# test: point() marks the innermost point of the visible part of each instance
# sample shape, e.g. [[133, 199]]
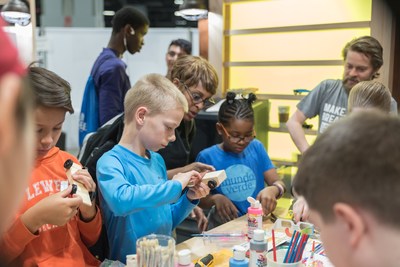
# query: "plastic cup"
[[155, 250], [280, 256], [283, 113]]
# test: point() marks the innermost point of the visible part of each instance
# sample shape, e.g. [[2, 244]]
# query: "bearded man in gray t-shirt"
[[363, 57]]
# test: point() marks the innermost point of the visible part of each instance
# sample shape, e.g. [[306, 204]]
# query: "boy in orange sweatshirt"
[[53, 227]]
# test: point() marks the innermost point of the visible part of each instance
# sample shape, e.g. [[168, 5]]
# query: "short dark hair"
[[50, 90], [234, 108], [185, 45], [128, 15], [370, 47], [355, 161]]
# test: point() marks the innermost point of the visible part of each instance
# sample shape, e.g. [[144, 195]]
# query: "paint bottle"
[[258, 249], [239, 257], [184, 258], [254, 216]]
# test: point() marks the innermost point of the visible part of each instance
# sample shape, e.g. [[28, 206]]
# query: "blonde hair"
[[192, 69], [369, 94], [155, 92]]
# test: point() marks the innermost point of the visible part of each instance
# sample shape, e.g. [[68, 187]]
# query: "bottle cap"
[[258, 235], [254, 203], [184, 257], [239, 253]]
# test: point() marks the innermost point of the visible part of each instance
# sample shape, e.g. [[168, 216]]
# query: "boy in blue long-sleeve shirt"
[[136, 196]]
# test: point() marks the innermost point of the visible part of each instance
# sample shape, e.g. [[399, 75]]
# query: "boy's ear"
[[140, 115], [10, 87], [176, 82], [352, 221], [219, 128]]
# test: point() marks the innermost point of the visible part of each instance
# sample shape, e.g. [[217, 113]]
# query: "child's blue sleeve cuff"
[[195, 201]]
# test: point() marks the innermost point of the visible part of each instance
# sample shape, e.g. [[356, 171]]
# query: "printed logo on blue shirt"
[[240, 182]]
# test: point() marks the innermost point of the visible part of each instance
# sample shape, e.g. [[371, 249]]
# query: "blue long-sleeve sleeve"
[[137, 199]]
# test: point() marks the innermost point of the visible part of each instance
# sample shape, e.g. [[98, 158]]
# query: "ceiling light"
[[193, 10], [16, 12], [109, 13]]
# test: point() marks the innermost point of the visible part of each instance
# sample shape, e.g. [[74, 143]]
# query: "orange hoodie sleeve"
[[90, 231], [15, 240]]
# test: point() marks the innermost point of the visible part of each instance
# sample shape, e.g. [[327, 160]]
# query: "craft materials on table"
[[223, 239], [254, 216], [155, 250]]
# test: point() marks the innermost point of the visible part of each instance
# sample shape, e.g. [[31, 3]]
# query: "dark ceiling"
[[160, 12]]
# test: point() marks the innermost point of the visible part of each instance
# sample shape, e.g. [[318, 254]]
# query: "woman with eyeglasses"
[[198, 81], [246, 162]]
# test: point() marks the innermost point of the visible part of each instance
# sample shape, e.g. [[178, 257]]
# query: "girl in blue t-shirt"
[[245, 161]]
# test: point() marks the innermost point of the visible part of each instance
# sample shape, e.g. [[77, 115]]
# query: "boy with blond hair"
[[136, 196], [350, 178]]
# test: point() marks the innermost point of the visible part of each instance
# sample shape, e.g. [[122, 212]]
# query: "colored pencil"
[[290, 245], [273, 244]]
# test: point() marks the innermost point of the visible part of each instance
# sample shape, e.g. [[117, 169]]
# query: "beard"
[[349, 82]]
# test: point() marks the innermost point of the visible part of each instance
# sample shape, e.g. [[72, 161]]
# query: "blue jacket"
[[137, 199], [112, 83]]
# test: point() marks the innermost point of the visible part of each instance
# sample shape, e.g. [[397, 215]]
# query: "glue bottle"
[[258, 249], [239, 257], [184, 258], [254, 216]]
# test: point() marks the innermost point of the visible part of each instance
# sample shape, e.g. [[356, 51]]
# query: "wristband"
[[280, 188]]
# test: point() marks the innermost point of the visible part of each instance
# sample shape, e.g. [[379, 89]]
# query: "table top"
[[199, 248]]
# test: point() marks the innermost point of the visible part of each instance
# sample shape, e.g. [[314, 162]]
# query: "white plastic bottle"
[[254, 216], [184, 258], [239, 257], [258, 249]]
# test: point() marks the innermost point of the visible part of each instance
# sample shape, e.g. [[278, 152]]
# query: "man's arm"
[[295, 127]]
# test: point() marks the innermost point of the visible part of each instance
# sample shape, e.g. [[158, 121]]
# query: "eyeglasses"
[[237, 139], [304, 227], [197, 97]]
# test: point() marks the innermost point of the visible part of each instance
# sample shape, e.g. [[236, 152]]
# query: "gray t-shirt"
[[329, 101]]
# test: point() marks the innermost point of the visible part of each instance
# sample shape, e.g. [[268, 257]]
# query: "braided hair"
[[233, 108]]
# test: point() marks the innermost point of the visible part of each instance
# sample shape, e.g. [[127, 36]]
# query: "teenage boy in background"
[[176, 48], [105, 99], [350, 180], [52, 227], [363, 57]]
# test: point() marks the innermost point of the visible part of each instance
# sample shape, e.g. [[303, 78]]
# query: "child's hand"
[[198, 191], [201, 167], [300, 210], [202, 221], [193, 177], [83, 176], [224, 208], [267, 198], [55, 209]]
